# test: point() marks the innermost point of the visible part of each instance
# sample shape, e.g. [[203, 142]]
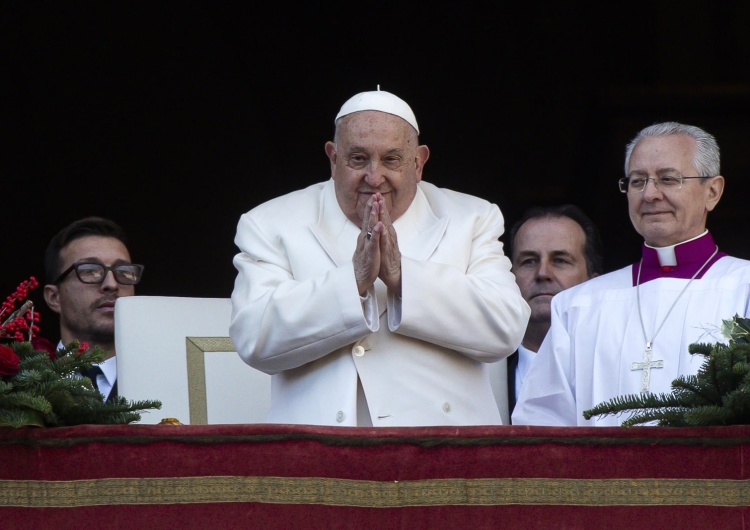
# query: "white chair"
[[177, 350]]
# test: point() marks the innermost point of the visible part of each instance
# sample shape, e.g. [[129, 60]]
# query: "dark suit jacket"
[[512, 364]]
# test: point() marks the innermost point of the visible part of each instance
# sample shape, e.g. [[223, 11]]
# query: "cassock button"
[[339, 416], [359, 351], [446, 407]]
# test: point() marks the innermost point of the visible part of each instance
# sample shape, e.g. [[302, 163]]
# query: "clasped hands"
[[377, 256]]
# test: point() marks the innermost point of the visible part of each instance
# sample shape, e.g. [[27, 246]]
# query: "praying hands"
[[377, 254]]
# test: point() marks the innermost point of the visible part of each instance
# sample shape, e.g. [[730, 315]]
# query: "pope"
[[375, 298]]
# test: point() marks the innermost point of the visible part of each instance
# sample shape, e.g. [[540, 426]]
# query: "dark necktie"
[[91, 373], [112, 393]]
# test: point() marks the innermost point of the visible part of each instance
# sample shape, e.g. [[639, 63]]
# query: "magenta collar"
[[690, 257]]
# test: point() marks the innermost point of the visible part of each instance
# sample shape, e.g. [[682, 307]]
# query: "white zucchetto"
[[382, 101]]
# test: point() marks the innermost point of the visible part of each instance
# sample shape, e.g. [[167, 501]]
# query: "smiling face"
[[375, 152], [665, 219], [548, 257], [87, 310]]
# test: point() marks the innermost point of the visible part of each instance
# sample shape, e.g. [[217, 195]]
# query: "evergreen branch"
[[695, 393], [16, 418], [700, 348], [664, 417], [707, 415], [52, 392], [719, 394], [25, 400], [628, 402]]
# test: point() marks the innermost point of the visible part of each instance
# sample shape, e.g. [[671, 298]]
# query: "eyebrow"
[[527, 254], [358, 148], [94, 259], [659, 171], [535, 254], [564, 253]]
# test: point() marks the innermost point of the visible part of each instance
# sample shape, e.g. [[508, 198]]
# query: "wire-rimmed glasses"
[[664, 182]]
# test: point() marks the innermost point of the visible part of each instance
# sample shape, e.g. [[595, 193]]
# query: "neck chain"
[[638, 297]]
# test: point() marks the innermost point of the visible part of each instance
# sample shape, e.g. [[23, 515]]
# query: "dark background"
[[173, 119]]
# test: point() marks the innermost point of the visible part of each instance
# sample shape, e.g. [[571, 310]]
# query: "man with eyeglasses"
[[627, 332], [88, 267]]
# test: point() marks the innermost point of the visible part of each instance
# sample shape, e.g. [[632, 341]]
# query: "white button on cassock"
[[359, 351], [339, 416], [446, 407]]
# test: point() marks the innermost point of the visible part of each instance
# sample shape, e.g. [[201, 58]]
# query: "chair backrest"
[[177, 350]]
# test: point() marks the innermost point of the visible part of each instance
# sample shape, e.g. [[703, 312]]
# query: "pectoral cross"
[[646, 366]]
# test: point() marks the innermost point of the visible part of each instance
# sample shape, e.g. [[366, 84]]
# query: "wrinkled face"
[[671, 217], [375, 152], [87, 310], [548, 257]]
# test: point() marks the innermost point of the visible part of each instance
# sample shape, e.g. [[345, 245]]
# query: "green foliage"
[[51, 392], [719, 394]]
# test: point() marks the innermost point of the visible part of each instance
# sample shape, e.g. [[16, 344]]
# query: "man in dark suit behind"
[[551, 248], [88, 268]]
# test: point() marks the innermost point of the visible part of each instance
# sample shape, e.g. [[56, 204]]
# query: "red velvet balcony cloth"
[[284, 476]]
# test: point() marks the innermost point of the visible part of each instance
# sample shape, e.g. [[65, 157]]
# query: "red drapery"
[[282, 476]]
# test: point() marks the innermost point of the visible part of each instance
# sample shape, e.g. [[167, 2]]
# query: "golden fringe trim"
[[373, 494]]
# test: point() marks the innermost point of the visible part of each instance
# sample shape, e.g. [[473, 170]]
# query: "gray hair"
[[706, 161]]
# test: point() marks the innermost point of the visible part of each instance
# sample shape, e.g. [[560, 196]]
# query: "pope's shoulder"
[[298, 203], [307, 201], [448, 201]]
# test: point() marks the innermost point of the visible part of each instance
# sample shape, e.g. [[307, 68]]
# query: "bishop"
[[677, 294]]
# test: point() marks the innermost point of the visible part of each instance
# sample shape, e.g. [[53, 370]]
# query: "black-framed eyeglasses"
[[90, 272], [664, 182]]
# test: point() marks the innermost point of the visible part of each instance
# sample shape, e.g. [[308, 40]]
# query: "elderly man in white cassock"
[[375, 298], [628, 331]]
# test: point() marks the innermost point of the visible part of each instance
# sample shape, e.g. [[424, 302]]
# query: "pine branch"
[[628, 402], [708, 415], [13, 418], [719, 394], [693, 392], [664, 417], [52, 392], [25, 400]]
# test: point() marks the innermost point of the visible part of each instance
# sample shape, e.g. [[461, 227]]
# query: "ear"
[[423, 153], [714, 192], [332, 156], [52, 297]]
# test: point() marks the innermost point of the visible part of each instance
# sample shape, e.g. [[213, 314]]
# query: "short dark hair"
[[88, 226], [592, 249]]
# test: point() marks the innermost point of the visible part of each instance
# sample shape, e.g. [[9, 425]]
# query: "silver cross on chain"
[[646, 366]]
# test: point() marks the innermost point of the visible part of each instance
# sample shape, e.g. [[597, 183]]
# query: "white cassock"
[[596, 336], [339, 359]]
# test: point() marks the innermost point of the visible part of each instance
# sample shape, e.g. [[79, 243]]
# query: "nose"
[[109, 283], [374, 174], [544, 270], [651, 192]]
